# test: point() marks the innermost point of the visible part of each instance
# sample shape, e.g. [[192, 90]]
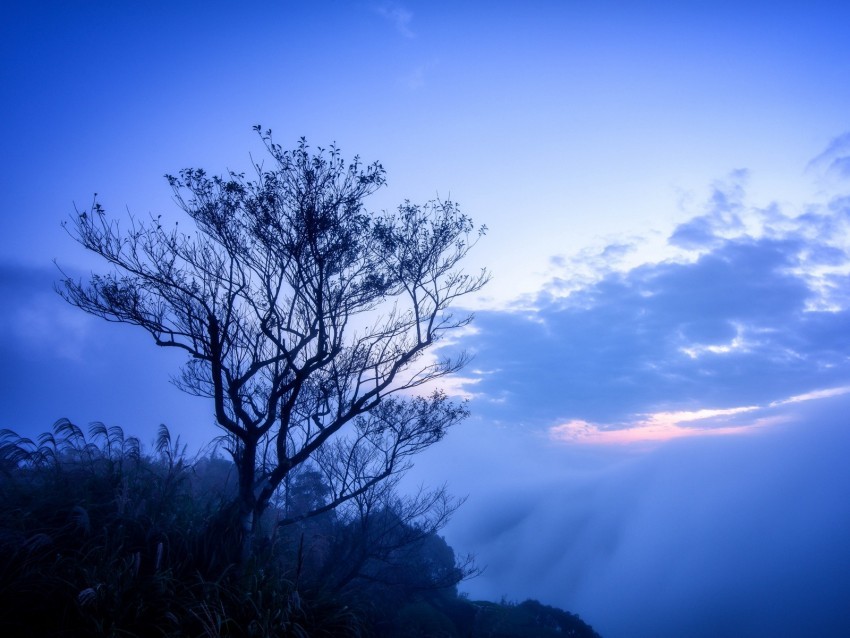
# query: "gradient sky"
[[661, 379]]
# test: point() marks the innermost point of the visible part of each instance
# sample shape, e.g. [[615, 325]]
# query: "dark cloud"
[[59, 362]]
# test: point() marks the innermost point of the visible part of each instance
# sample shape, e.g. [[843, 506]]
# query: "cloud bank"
[[751, 308]]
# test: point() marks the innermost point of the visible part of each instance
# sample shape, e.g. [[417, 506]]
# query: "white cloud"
[[458, 385], [736, 344], [835, 158], [754, 309], [398, 16], [813, 396]]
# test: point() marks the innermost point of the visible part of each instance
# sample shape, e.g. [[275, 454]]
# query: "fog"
[[725, 536]]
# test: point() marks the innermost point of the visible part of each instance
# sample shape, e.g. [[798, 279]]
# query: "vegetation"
[[304, 317], [100, 538], [306, 321]]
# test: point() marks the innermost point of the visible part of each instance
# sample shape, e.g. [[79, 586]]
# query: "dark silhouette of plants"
[[305, 318], [529, 619], [99, 539]]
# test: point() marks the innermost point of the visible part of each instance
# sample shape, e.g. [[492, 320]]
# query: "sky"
[[661, 373]]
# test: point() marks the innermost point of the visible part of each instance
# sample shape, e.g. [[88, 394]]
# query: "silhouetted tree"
[[303, 316], [391, 541]]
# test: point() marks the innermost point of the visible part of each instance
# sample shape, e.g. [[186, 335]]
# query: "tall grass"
[[98, 538]]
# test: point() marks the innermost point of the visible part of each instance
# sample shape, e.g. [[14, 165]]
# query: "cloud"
[[675, 430], [60, 362], [811, 396], [666, 426], [756, 310], [416, 79], [36, 321], [722, 216], [835, 158], [398, 16], [572, 273], [658, 427]]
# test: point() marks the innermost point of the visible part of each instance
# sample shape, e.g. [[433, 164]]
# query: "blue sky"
[[662, 359]]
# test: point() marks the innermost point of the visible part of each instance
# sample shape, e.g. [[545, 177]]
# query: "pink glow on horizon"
[[659, 427]]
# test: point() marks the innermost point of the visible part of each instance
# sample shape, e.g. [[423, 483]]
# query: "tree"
[[304, 317], [391, 541]]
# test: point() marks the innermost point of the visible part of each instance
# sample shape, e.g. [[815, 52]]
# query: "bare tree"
[[304, 317]]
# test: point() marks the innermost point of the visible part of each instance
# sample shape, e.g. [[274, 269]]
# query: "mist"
[[740, 535]]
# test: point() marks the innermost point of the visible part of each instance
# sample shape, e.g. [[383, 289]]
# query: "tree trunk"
[[246, 525], [246, 464]]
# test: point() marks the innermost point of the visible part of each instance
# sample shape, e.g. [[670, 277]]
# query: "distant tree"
[[304, 317]]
